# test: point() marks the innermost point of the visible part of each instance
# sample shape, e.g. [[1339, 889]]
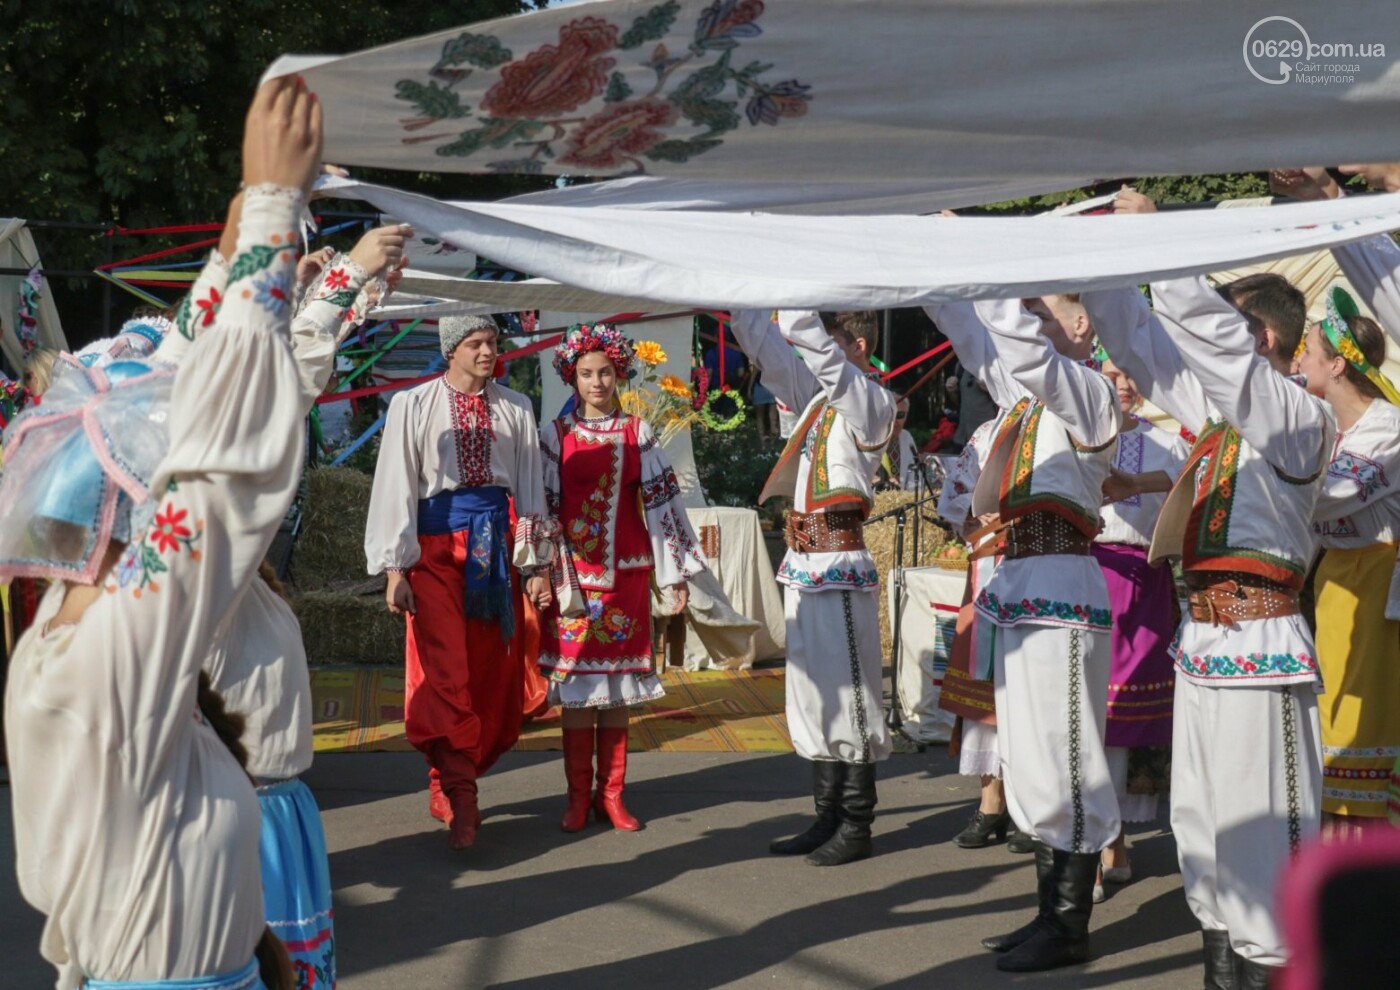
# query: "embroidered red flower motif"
[[208, 307], [337, 278], [554, 79], [623, 129], [168, 532], [305, 974]]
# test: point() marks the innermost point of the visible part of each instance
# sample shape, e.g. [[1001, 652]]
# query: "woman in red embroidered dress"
[[618, 502]]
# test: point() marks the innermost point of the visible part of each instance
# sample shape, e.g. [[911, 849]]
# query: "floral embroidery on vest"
[[820, 493], [1214, 469], [471, 427], [1022, 427]]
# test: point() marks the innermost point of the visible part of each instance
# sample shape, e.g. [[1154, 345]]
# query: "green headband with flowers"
[[1335, 327]]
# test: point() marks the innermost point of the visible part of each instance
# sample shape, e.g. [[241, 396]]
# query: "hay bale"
[[880, 538], [331, 546], [340, 628]]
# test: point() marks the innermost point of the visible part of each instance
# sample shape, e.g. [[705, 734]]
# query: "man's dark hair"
[[1269, 300], [857, 325]]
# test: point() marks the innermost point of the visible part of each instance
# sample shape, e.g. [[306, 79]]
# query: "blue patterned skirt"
[[297, 880]]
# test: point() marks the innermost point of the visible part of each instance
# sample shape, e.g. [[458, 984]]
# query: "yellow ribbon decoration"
[[1340, 307]]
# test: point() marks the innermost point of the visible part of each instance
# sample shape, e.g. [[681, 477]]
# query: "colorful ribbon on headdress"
[[1340, 309]]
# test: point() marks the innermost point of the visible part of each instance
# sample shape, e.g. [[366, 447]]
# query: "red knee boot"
[[612, 779], [578, 774], [437, 801], [458, 774]]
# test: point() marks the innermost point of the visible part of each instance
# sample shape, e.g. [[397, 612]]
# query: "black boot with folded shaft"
[[1062, 939], [856, 812], [828, 776], [1009, 941], [1252, 975], [1221, 964]]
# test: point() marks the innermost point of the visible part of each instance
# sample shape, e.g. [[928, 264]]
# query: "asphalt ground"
[[694, 900]]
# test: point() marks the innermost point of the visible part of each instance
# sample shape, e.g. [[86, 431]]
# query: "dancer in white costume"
[[258, 661], [1047, 601], [160, 881], [834, 658], [1246, 756], [971, 700]]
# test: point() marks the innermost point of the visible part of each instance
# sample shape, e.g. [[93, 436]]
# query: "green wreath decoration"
[[713, 419]]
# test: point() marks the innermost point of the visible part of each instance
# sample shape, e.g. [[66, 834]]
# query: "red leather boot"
[[612, 779], [578, 774], [437, 801], [458, 774]]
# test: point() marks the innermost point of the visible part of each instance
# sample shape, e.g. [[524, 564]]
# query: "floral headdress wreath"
[[582, 338], [1335, 327]]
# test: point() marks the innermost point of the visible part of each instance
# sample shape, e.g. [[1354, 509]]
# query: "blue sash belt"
[[483, 514], [246, 978]]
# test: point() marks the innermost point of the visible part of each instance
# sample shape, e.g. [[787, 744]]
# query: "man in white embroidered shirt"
[[834, 656], [455, 451]]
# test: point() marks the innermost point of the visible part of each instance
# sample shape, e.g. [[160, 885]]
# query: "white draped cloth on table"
[[828, 91], [761, 260], [732, 540]]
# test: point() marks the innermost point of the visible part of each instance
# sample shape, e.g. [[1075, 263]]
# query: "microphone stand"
[[894, 718]]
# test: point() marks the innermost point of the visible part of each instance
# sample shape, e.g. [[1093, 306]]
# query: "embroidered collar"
[[480, 394]]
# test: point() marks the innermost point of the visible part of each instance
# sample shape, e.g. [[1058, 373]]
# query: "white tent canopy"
[[17, 250]]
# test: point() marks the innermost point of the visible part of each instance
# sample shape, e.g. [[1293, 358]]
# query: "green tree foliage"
[[131, 111]]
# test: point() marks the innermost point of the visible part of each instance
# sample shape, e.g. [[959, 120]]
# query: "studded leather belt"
[[824, 532], [1224, 598], [1036, 534]]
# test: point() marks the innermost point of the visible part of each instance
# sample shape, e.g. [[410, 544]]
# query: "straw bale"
[[880, 538], [331, 547], [340, 628]]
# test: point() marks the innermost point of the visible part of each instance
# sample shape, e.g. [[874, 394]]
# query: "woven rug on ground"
[[359, 709]]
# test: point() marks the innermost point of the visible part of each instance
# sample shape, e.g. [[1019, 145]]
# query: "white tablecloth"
[[733, 544], [931, 599]]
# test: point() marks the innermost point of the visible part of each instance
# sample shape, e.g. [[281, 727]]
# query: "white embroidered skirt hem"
[[979, 756], [605, 690]]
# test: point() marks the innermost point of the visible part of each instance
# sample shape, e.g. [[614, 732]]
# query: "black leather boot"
[[857, 813], [980, 829], [1252, 975], [828, 776], [1063, 936], [1009, 941], [1222, 967], [1021, 842]]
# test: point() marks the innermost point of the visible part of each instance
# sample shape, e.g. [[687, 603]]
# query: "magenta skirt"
[[1143, 680]]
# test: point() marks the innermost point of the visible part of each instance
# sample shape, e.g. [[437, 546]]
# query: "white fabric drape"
[[758, 260], [828, 91]]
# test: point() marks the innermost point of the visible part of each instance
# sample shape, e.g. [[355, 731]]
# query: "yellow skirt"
[[1359, 653]]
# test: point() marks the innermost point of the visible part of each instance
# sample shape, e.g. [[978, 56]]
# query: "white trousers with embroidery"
[[835, 674], [1246, 788], [1052, 702]]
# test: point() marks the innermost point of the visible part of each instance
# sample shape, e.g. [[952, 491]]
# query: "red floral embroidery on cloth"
[[471, 425], [556, 78], [623, 129]]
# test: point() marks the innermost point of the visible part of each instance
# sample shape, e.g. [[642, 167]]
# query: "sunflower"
[[650, 352], [674, 386]]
